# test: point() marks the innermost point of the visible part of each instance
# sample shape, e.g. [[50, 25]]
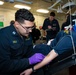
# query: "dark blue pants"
[[62, 43], [42, 48]]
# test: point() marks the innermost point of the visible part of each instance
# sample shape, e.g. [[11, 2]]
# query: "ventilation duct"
[[71, 4]]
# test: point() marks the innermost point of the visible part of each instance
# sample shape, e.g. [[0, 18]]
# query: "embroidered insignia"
[[28, 39], [14, 32], [14, 41]]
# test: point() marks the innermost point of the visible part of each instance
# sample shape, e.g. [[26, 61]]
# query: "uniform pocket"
[[16, 50], [15, 46]]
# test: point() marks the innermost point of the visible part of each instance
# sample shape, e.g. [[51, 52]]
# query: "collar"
[[13, 31]]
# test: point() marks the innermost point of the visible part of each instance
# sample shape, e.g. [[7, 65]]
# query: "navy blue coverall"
[[60, 44], [14, 51], [51, 33]]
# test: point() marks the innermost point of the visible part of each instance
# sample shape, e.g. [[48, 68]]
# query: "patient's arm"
[[45, 61]]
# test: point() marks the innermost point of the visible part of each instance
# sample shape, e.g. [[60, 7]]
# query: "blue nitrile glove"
[[37, 57]]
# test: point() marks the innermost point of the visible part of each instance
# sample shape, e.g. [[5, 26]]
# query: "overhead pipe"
[[54, 4], [68, 4]]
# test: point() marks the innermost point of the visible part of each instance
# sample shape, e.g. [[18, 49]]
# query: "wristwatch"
[[33, 69]]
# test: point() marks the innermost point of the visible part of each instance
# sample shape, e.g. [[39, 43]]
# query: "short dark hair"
[[52, 14], [24, 14]]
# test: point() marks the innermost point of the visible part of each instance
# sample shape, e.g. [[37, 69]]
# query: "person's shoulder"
[[3, 30], [4, 33], [47, 19], [36, 31]]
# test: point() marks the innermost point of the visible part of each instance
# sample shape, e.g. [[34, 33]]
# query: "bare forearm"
[[46, 60]]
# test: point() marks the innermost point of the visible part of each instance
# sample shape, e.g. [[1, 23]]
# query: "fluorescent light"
[[21, 6], [1, 2], [42, 11]]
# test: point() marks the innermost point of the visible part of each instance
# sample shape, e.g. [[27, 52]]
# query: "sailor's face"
[[25, 28]]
